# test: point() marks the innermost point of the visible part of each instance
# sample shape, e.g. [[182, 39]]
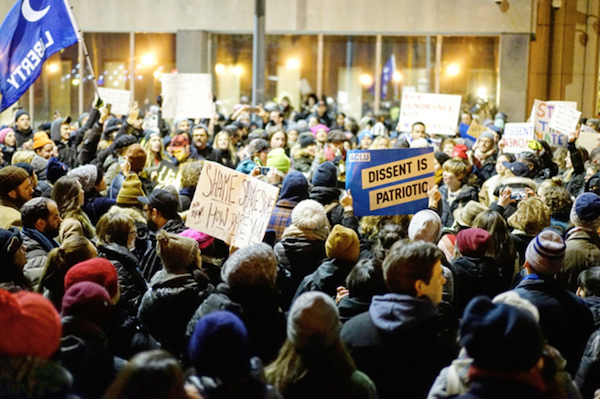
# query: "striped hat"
[[546, 252]]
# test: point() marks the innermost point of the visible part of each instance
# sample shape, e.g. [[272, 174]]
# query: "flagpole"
[[69, 8]]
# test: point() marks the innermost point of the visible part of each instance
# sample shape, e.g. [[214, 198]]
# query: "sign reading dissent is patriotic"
[[32, 31], [390, 182]]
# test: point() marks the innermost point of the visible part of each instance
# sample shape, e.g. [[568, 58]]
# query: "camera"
[[518, 194]]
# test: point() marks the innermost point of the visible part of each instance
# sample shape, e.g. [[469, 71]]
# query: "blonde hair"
[[22, 156], [115, 227], [455, 166], [532, 216], [151, 155], [377, 141], [190, 173], [230, 148], [132, 212]]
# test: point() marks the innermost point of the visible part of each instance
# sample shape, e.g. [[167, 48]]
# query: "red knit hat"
[[87, 300], [460, 151], [473, 242], [97, 270], [29, 325]]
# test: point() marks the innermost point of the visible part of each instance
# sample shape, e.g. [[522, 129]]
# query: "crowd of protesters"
[[493, 291]]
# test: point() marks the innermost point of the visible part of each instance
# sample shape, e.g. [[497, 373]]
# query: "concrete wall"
[[413, 17]]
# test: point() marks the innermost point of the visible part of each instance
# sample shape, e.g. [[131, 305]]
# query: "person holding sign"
[[455, 194]]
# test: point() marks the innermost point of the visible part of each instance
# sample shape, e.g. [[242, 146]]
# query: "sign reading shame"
[[390, 182], [231, 206]]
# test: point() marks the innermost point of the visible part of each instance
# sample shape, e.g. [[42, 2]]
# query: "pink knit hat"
[[203, 240], [3, 133]]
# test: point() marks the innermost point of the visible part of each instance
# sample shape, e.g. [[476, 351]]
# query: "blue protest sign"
[[390, 182], [31, 32]]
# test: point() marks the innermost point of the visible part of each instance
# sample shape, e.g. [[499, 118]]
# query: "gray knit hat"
[[314, 321], [176, 252], [546, 252], [585, 211], [254, 265], [87, 176]]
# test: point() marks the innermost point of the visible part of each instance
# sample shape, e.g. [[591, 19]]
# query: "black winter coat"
[[32, 377], [337, 215], [565, 320], [168, 306], [473, 277], [133, 286], [258, 307], [466, 194], [329, 275]]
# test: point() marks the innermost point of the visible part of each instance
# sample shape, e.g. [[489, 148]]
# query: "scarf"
[[47, 243], [319, 234]]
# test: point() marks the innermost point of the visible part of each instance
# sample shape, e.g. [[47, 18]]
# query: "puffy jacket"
[[466, 194], [133, 286], [169, 305]]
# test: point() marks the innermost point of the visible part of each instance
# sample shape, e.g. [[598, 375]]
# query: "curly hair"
[[190, 173], [532, 216], [556, 197]]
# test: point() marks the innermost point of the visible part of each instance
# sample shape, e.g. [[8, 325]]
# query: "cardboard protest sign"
[[439, 112], [120, 100], [166, 174], [231, 206], [187, 95], [588, 140], [475, 130], [541, 114], [516, 137], [390, 182], [564, 119]]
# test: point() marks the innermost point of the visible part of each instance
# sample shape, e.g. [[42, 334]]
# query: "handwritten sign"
[[390, 182], [187, 95], [231, 206], [541, 114], [439, 112], [517, 136], [564, 119], [475, 130], [120, 100], [166, 175]]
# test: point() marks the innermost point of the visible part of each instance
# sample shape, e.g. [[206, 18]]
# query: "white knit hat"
[[314, 321], [425, 225], [87, 176], [309, 215]]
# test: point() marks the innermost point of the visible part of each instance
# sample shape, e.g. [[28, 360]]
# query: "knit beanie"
[[219, 345], [585, 212], [294, 187], [10, 241], [460, 151], [55, 170], [11, 177], [473, 242], [204, 240], [176, 252], [87, 176], [546, 252], [306, 139], [313, 322], [310, 215], [277, 159], [40, 139], [342, 243], [97, 270], [137, 157], [130, 190], [29, 325], [441, 157], [487, 134], [20, 113], [425, 225], [39, 166], [500, 337], [3, 133], [88, 300], [318, 127], [513, 299], [254, 265], [26, 166], [325, 175]]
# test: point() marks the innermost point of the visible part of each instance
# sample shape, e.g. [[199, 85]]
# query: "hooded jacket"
[[293, 190], [169, 305], [67, 153], [329, 275], [337, 215], [466, 194], [473, 277], [401, 343]]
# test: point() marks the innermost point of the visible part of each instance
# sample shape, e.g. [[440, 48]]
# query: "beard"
[[152, 226]]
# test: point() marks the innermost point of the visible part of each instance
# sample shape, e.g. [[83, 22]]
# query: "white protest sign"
[[231, 206], [439, 112], [187, 95], [588, 140], [516, 137], [564, 119], [120, 100], [541, 114]]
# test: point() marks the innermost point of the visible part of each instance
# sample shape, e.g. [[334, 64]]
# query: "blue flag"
[[32, 31], [387, 74]]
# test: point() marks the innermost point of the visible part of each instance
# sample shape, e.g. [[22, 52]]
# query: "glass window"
[[154, 55]]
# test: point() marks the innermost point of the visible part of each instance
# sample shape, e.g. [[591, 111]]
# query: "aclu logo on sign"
[[359, 157]]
